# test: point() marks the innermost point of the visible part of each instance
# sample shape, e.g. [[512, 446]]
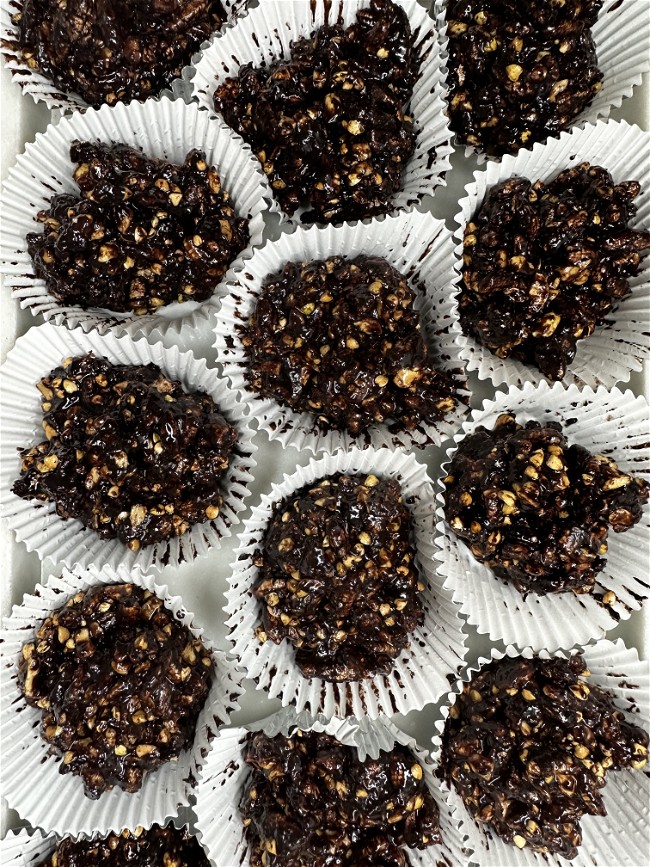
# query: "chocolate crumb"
[[120, 683], [535, 509]]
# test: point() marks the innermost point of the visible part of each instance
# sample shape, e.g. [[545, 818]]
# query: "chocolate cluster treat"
[[116, 50], [337, 577], [329, 123], [128, 453], [311, 801], [527, 746], [340, 339], [153, 847], [143, 232], [546, 263], [535, 509], [119, 682], [519, 72]]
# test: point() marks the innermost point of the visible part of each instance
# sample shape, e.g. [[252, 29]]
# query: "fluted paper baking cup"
[[267, 33], [436, 649], [25, 848], [30, 777], [612, 423], [619, 346], [619, 839], [39, 87], [622, 39], [160, 128], [225, 775], [421, 249], [67, 541]]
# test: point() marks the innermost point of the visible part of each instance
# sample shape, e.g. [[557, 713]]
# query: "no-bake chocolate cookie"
[[544, 264], [528, 745], [153, 847], [120, 684], [329, 123], [143, 232], [337, 577], [519, 72], [128, 453], [340, 339], [311, 801], [535, 509], [116, 50]]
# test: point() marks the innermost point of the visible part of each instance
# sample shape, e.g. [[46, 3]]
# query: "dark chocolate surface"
[[143, 232], [341, 340], [329, 124], [310, 801], [528, 744], [120, 684], [153, 847], [519, 72], [546, 263], [128, 453], [113, 50], [337, 577], [535, 509]]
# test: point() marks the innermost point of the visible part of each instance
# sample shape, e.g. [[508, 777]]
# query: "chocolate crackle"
[[129, 452], [150, 847], [519, 72], [311, 801], [119, 682], [528, 746], [143, 233], [546, 263], [340, 339], [330, 123], [535, 509], [337, 577], [116, 50]]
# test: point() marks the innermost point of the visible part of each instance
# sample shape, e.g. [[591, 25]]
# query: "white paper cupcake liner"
[[612, 423], [68, 542], [30, 777], [160, 128], [225, 775], [40, 88], [617, 348], [420, 248], [25, 849], [437, 648], [622, 39], [267, 33], [620, 839]]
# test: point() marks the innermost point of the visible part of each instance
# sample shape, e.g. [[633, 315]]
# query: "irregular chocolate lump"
[[341, 339], [128, 453], [143, 233], [535, 509], [546, 263], [310, 801], [337, 577], [328, 124], [114, 50], [527, 746], [153, 847], [120, 684], [519, 72]]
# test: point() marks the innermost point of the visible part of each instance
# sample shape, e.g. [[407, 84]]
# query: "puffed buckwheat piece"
[[119, 682], [528, 744], [535, 509]]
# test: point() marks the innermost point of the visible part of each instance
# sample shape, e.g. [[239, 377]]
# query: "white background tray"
[[202, 583]]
